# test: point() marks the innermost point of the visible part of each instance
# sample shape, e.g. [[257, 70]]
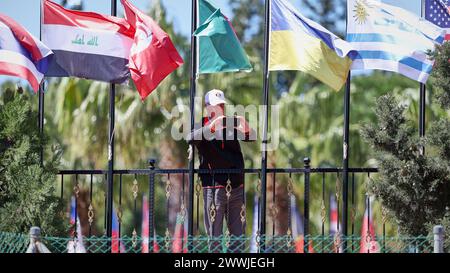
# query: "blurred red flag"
[[368, 242], [300, 245], [153, 56]]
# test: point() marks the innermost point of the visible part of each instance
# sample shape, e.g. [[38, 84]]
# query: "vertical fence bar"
[[266, 87], [192, 109], [151, 204], [291, 205], [62, 186], [135, 189], [384, 232], [323, 213], [110, 184], [106, 206], [167, 233], [183, 213], [90, 209], [198, 189], [353, 212], [119, 212], [368, 235], [76, 191], [258, 232], [306, 162], [273, 210]]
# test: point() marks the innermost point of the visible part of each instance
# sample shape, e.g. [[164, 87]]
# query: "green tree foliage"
[[412, 186], [439, 135], [441, 72], [26, 188]]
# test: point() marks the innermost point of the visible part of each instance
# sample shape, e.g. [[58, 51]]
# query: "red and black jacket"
[[218, 153]]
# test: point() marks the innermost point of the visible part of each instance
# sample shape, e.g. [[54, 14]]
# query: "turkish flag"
[[153, 56]]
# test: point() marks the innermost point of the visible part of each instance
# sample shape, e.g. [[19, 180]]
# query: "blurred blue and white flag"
[[392, 39], [76, 245]]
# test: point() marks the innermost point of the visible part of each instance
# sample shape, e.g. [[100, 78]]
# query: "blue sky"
[[26, 12]]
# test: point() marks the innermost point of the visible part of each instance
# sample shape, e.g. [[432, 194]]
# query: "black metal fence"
[[168, 198]]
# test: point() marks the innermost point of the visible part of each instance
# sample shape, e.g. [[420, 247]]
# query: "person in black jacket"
[[217, 142]]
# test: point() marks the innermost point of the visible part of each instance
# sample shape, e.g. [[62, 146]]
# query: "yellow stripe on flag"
[[299, 51]]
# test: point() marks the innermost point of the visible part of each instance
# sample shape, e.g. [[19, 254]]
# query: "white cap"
[[215, 97]]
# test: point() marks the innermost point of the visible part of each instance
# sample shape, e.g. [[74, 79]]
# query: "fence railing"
[[21, 243], [295, 198]]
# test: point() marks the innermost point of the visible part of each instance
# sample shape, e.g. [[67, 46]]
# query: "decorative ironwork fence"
[[168, 201]]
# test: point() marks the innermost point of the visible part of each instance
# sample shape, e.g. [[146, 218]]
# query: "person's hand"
[[243, 125]]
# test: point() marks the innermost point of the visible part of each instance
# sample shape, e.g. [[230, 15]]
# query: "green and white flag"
[[220, 49]]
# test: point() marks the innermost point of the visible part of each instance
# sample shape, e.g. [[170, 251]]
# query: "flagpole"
[[266, 89], [41, 91], [110, 182], [346, 152], [345, 155], [192, 111], [422, 96]]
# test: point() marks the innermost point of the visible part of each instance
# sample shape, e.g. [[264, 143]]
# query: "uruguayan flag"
[[390, 38]]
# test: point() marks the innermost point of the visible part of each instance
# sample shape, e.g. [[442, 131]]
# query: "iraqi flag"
[[21, 54], [153, 56], [86, 44]]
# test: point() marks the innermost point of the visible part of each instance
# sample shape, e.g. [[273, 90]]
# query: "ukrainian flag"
[[297, 43]]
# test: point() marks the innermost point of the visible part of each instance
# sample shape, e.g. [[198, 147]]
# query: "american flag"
[[438, 12]]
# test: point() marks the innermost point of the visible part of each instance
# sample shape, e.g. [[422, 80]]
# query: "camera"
[[232, 122]]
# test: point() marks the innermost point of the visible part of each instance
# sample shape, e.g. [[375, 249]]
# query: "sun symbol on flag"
[[360, 11]]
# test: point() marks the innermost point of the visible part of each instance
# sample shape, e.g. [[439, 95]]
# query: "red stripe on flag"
[[19, 71], [55, 14], [22, 35], [447, 36]]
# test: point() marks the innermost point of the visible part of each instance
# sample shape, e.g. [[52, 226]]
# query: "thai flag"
[[76, 245], [117, 245], [145, 230], [21, 54]]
